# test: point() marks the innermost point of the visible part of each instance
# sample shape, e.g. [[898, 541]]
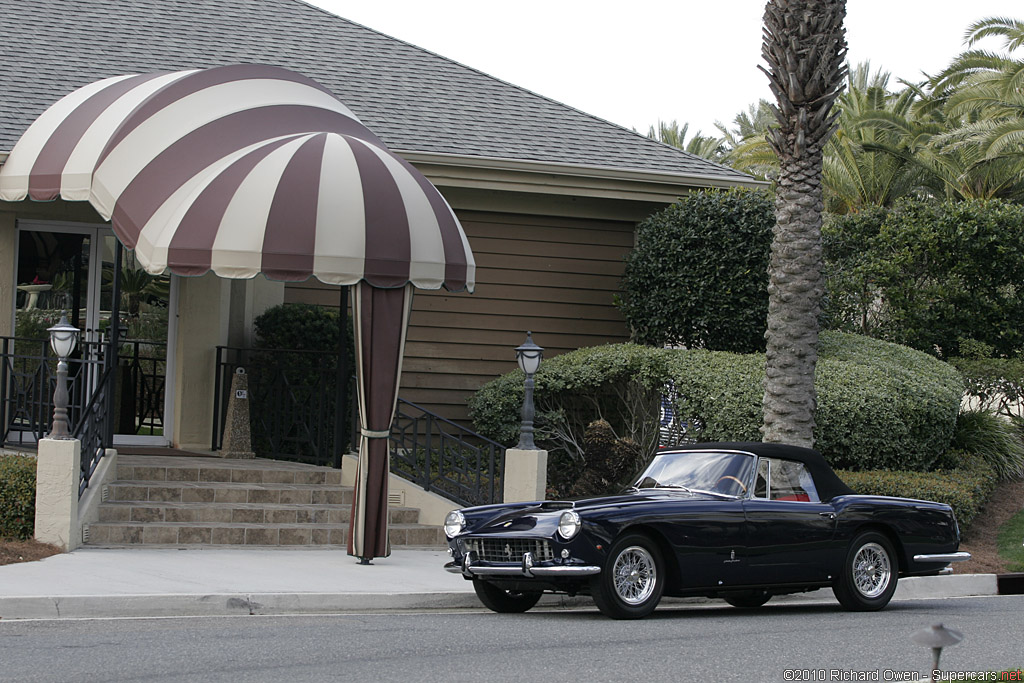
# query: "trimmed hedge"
[[17, 496], [880, 406], [698, 276], [965, 488]]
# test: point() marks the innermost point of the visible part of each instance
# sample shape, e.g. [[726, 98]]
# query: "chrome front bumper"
[[470, 569], [944, 557]]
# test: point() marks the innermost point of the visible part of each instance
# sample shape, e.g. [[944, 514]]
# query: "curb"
[[223, 604], [244, 604]]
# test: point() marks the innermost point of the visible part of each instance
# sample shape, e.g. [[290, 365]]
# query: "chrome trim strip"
[[944, 557], [496, 571], [558, 572], [580, 570]]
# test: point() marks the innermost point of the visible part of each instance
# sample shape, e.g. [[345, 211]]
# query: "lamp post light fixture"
[[528, 356], [63, 337], [936, 637]]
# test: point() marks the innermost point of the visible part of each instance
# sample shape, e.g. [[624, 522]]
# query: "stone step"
[[239, 513], [258, 471], [212, 533], [227, 492], [174, 501]]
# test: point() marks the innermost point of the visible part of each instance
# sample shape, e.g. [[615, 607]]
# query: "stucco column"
[[7, 266], [58, 470], [203, 316], [260, 294], [526, 475]]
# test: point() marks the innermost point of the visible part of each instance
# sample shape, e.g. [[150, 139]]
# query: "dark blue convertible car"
[[739, 521]]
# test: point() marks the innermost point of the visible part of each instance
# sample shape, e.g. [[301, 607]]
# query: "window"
[[784, 480]]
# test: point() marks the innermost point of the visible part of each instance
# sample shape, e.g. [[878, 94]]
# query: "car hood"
[[542, 518]]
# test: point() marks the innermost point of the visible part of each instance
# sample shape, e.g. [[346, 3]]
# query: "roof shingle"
[[413, 99]]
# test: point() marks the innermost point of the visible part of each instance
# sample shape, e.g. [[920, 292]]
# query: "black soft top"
[[829, 485]]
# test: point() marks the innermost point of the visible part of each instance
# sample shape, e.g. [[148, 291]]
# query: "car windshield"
[[714, 472]]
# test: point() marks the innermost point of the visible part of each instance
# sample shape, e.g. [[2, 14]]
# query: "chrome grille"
[[509, 549]]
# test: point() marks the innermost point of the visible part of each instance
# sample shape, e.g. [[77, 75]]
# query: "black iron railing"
[[142, 378], [292, 403], [28, 373], [293, 416], [444, 457], [94, 427]]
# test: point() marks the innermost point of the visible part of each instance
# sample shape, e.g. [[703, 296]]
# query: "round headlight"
[[568, 524], [454, 523]]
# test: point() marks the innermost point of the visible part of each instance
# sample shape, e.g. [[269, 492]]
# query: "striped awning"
[[241, 170], [251, 169]]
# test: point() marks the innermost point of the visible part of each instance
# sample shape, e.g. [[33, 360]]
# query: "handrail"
[[433, 452], [26, 396], [444, 457], [92, 430]]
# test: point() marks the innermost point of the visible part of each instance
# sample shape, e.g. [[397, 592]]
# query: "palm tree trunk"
[[805, 49], [795, 286]]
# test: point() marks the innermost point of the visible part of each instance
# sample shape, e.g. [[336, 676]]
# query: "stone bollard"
[[526, 475], [237, 441], [58, 473]]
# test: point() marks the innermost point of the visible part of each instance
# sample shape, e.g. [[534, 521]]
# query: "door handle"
[[828, 515]]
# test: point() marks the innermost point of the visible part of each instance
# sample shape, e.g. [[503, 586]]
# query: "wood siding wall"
[[554, 276]]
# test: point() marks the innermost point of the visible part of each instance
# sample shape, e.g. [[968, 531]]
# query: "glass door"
[[70, 268]]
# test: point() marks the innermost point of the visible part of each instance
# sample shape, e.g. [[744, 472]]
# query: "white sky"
[[639, 61]]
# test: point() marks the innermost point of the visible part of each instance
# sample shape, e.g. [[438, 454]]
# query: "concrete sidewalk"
[[96, 583]]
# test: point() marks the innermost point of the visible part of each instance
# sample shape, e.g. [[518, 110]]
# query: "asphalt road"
[[692, 643]]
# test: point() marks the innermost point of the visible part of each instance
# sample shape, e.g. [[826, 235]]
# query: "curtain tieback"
[[370, 434]]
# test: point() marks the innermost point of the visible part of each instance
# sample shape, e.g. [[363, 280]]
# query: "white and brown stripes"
[[242, 169]]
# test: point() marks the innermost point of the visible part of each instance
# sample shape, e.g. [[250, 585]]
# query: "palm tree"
[[980, 99], [747, 142], [700, 145], [865, 164], [805, 49]]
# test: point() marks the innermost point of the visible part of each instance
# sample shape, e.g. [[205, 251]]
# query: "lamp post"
[[936, 637], [528, 356], [63, 337]]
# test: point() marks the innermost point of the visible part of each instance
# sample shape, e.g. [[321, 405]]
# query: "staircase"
[[186, 501]]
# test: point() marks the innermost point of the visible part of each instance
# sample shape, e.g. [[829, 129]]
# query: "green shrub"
[[309, 377], [17, 496], [880, 406], [620, 383], [994, 384], [850, 303], [300, 326], [928, 274], [992, 438], [610, 465], [965, 488], [718, 394], [698, 276]]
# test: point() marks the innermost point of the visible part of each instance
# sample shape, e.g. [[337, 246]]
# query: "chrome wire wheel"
[[871, 570], [635, 575]]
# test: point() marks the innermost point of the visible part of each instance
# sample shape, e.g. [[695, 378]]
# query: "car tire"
[[870, 570], [747, 599], [504, 601], [632, 579]]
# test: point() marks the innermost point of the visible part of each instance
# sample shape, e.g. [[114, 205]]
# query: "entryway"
[[69, 267]]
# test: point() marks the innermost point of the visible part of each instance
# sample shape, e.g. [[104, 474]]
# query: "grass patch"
[[1011, 536]]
